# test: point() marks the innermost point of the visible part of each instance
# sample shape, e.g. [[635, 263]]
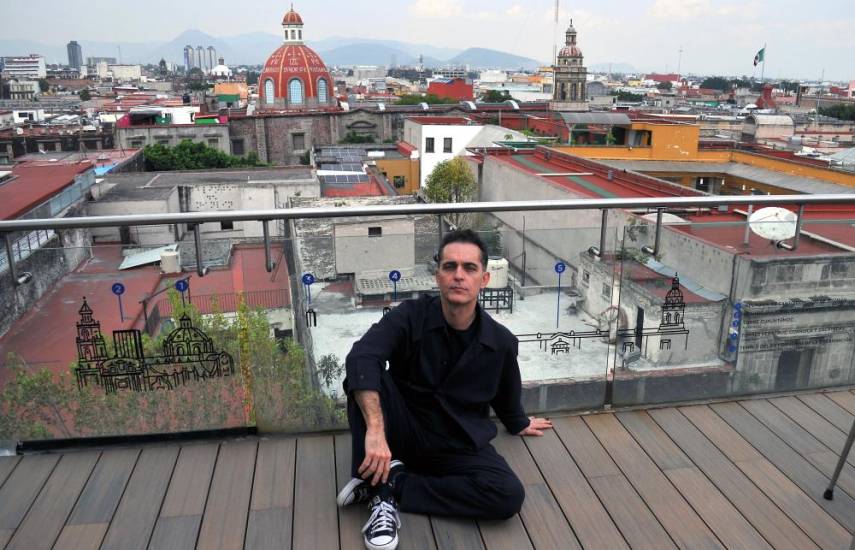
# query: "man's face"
[[460, 275]]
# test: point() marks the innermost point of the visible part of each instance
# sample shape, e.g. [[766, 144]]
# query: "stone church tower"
[[570, 73]]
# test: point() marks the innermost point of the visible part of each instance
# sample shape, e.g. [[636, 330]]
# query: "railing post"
[[658, 231], [11, 258], [798, 226], [603, 230], [268, 263], [197, 239]]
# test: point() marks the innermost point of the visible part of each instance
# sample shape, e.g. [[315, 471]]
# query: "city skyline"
[[696, 36]]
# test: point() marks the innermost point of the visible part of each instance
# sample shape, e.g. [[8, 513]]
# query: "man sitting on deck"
[[421, 429]]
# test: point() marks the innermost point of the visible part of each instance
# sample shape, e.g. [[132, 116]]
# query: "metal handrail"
[[652, 203]]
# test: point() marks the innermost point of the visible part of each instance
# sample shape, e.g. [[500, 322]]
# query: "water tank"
[[170, 261], [497, 267]]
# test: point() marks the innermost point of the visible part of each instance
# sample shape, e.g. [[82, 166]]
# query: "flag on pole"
[[760, 55]]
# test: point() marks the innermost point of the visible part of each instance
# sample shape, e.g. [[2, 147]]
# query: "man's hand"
[[378, 457], [536, 426]]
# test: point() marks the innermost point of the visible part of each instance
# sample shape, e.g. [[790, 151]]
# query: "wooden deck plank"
[[81, 536], [675, 514], [791, 463], [352, 518], [829, 410], [456, 534], [273, 484], [191, 480], [22, 486], [100, 497], [541, 514], [803, 442], [504, 535], [46, 518], [316, 516], [7, 464], [175, 533], [845, 399], [803, 510], [583, 509], [271, 509], [224, 520], [775, 526], [729, 525], [139, 507], [269, 529], [625, 507], [811, 421]]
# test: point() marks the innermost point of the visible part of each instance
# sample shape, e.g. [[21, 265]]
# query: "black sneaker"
[[381, 530], [358, 491]]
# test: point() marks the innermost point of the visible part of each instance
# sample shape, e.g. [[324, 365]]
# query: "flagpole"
[[763, 68]]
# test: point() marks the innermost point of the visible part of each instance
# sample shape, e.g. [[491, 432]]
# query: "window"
[[214, 142], [227, 226], [298, 142], [136, 143], [428, 145], [164, 142], [237, 147], [323, 91], [446, 145], [375, 231], [293, 34], [399, 181], [300, 34], [295, 91], [268, 91]]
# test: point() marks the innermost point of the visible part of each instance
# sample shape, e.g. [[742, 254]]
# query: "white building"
[[127, 73], [442, 138], [29, 66], [493, 76]]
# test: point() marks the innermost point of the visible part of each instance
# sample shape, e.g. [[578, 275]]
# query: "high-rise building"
[[212, 57], [200, 58], [188, 58], [75, 55]]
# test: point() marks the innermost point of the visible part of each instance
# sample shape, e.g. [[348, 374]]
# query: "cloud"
[[694, 9], [437, 8]]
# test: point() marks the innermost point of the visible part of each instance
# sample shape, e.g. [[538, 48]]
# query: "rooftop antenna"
[[555, 36], [679, 60]]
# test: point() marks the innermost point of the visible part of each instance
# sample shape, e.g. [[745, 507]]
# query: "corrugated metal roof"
[[147, 257], [613, 119]]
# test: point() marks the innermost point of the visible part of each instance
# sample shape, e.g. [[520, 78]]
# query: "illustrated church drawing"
[[188, 356]]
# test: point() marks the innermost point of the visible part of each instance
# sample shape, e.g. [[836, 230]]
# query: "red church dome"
[[294, 76]]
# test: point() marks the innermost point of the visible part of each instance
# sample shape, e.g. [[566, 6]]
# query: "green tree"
[[450, 182], [430, 99], [496, 96], [629, 96], [841, 111], [252, 77], [193, 156], [85, 95], [44, 85], [353, 137], [664, 86]]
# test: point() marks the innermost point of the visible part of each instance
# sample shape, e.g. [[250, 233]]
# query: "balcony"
[[228, 331], [746, 474]]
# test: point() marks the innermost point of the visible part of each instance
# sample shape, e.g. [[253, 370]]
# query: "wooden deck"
[[747, 474]]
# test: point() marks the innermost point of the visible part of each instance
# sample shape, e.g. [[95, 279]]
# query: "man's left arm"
[[508, 401]]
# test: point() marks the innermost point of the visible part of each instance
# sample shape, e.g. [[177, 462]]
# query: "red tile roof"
[[441, 120], [32, 184]]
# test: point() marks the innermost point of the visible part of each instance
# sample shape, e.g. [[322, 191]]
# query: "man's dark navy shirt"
[[449, 397]]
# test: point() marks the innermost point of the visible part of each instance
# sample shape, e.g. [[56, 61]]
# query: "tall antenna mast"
[[555, 36]]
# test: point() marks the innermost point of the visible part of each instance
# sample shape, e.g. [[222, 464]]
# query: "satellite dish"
[[774, 223]]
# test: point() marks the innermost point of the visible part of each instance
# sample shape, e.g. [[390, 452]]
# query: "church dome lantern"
[[294, 77]]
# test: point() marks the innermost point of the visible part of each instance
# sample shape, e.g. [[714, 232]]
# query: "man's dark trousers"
[[443, 479]]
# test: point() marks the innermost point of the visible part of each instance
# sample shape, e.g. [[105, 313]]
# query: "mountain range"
[[253, 49]]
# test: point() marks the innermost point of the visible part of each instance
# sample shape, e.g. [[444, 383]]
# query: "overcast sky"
[[717, 36]]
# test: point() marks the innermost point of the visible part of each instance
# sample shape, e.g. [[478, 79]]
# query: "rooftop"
[[737, 474], [32, 184]]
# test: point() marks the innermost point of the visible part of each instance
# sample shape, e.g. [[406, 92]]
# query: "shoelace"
[[384, 517]]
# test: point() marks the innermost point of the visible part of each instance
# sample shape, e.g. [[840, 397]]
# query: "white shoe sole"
[[345, 496], [391, 545]]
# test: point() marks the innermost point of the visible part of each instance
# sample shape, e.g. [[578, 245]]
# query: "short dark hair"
[[463, 236]]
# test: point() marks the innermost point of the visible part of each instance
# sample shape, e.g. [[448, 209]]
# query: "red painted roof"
[[291, 61], [441, 120], [406, 149], [292, 18], [32, 184]]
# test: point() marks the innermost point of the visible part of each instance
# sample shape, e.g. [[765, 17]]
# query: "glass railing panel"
[[724, 307], [347, 274], [101, 342]]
